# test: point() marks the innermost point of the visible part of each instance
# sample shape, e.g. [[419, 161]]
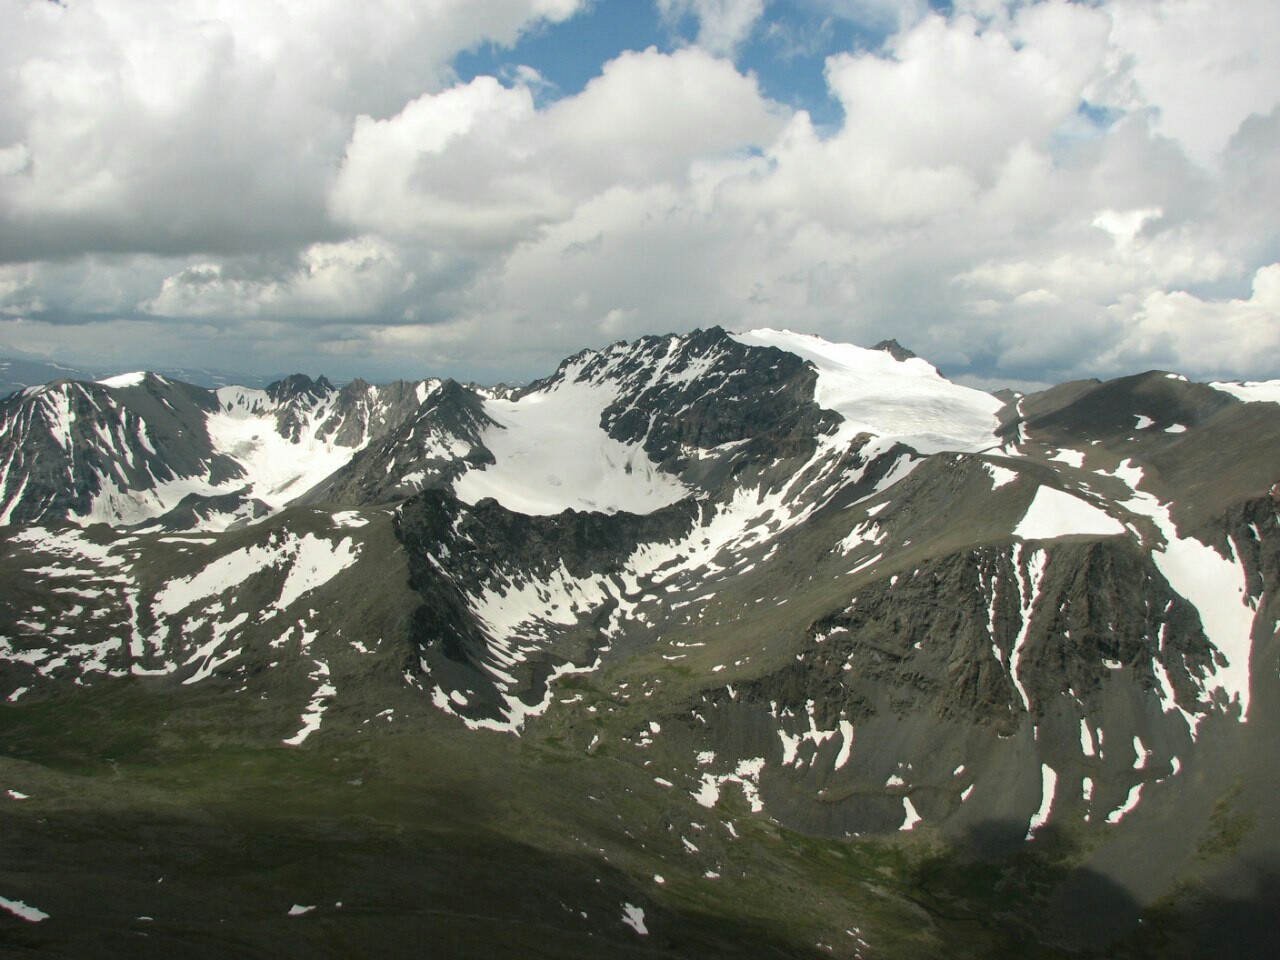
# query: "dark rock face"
[[76, 450], [463, 558], [420, 444], [293, 395], [895, 350], [678, 396]]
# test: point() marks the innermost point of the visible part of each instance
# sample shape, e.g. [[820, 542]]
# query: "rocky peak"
[[895, 350]]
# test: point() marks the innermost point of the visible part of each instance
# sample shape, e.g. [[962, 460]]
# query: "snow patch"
[[633, 917], [1130, 803], [1000, 475], [1048, 787], [1054, 513], [315, 708], [910, 817], [1254, 391], [746, 774], [1027, 597], [1214, 584], [124, 380], [349, 518], [22, 911]]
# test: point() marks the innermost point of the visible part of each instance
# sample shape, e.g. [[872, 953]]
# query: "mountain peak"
[[895, 350], [299, 385]]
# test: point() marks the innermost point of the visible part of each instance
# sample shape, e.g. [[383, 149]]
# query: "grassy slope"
[[432, 838]]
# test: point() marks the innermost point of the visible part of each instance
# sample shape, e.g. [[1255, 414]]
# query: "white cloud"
[[723, 25], [331, 281], [448, 165], [1204, 67], [478, 164], [208, 125], [256, 169], [1237, 338]]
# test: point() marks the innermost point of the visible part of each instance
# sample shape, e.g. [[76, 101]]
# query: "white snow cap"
[[905, 400], [124, 379]]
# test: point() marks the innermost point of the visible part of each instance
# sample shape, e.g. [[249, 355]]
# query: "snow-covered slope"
[[903, 400], [552, 454]]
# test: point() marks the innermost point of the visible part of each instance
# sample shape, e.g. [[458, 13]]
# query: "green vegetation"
[[1227, 829], [431, 836]]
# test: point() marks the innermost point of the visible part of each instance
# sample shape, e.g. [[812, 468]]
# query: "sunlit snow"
[[1000, 476], [316, 706], [124, 380], [633, 917], [22, 911], [902, 400], [277, 469], [552, 455], [1054, 513], [1256, 391], [1213, 583], [910, 817], [1048, 787], [1130, 804]]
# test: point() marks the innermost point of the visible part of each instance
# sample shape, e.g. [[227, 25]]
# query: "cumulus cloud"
[[210, 125], [478, 164], [330, 281], [1202, 67], [1236, 338], [1021, 190]]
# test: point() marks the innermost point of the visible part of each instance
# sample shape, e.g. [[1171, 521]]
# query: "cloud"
[[210, 126], [1235, 338], [478, 165], [1020, 191], [892, 15], [330, 281], [723, 25], [1202, 67]]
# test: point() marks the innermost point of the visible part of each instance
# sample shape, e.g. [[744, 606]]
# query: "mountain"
[[713, 644]]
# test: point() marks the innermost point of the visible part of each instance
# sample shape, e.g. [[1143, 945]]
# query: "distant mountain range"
[[725, 644], [17, 374]]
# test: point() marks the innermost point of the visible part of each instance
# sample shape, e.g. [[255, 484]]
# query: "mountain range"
[[715, 644]]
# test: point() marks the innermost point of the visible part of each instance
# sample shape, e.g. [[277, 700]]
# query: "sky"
[[1021, 191]]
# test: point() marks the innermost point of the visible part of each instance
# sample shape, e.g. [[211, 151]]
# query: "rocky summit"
[[711, 645]]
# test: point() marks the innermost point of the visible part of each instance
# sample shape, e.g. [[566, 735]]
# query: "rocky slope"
[[755, 580]]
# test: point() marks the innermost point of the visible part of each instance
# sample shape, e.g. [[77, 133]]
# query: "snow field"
[[552, 455], [1255, 391], [277, 470], [906, 400]]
